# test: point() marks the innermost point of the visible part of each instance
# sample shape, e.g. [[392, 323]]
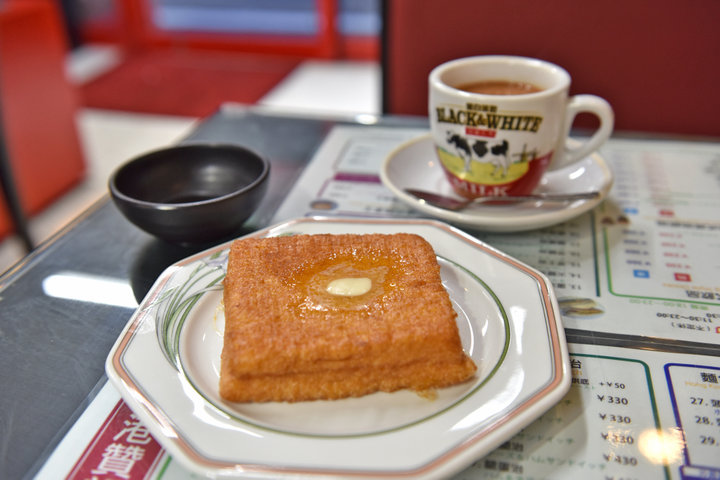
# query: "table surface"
[[53, 343], [52, 349]]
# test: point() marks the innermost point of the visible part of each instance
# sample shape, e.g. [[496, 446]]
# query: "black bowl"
[[191, 194]]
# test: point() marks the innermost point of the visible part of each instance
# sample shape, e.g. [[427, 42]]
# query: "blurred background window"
[[283, 17], [355, 25], [355, 17], [295, 17]]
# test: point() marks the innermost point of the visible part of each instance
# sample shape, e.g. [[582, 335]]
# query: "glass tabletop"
[[64, 305], [633, 312]]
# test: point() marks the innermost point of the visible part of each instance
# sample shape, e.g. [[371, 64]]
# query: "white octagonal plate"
[[166, 366]]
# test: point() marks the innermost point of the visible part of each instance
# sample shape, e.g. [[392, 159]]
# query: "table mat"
[[647, 255]]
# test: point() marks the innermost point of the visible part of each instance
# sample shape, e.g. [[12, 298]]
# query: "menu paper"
[[343, 178], [629, 414], [644, 264]]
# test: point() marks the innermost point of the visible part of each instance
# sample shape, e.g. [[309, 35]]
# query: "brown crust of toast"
[[287, 339]]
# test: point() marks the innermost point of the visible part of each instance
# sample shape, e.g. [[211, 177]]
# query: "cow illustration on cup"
[[481, 151]]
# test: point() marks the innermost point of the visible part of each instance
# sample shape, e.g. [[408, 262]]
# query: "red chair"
[[40, 144], [657, 63]]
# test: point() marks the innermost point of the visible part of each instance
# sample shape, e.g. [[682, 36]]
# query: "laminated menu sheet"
[[629, 413], [638, 280], [646, 262]]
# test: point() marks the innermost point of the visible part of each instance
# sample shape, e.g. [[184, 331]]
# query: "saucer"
[[415, 165]]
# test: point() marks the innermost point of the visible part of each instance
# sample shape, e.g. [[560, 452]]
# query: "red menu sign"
[[121, 449]]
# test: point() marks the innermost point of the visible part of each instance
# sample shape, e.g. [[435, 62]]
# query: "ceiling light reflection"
[[519, 316], [209, 413], [577, 173], [84, 287], [500, 402], [366, 119], [662, 447]]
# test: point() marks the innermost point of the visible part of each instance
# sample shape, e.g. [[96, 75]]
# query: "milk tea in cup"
[[500, 122]]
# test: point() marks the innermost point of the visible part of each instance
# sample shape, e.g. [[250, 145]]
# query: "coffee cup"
[[500, 122]]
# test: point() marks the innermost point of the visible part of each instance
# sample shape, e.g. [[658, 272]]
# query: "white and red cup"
[[490, 144]]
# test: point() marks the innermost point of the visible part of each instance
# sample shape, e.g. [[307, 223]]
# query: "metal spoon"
[[449, 203]]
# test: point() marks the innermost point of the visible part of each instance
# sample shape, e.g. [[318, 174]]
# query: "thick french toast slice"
[[331, 316]]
